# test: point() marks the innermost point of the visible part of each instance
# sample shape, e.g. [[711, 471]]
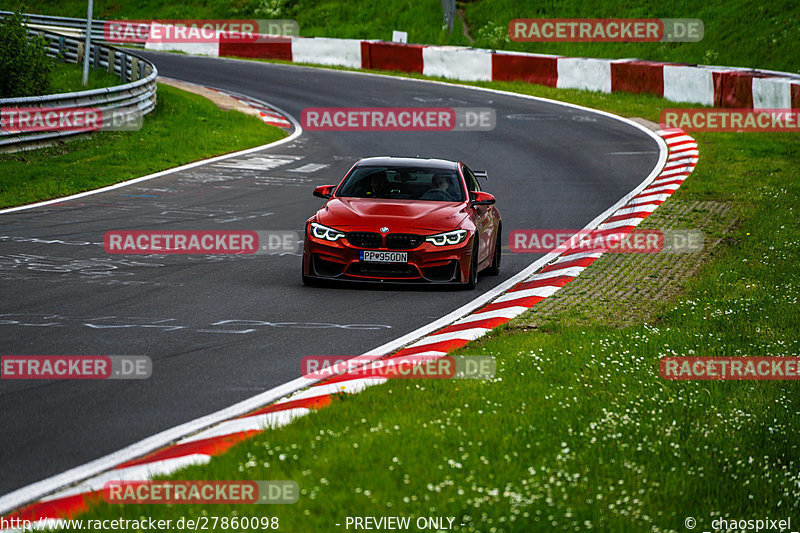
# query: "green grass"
[[327, 18], [737, 33], [109, 157], [68, 77], [577, 430]]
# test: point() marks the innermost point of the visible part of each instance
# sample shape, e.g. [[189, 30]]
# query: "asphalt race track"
[[220, 329]]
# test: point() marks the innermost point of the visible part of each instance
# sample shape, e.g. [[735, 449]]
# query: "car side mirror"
[[324, 191], [481, 198]]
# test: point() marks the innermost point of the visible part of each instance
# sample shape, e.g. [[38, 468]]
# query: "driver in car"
[[378, 186], [439, 191]]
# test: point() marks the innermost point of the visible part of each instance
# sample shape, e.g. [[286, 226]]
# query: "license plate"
[[372, 256]]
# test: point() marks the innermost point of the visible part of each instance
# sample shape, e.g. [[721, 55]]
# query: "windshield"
[[403, 183]]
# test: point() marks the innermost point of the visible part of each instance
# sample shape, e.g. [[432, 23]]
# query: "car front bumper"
[[426, 263]]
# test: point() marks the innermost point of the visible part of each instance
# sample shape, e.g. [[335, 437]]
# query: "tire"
[[472, 280], [494, 268]]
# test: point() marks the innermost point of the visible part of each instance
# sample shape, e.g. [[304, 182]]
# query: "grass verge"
[[108, 157], [67, 77], [577, 430]]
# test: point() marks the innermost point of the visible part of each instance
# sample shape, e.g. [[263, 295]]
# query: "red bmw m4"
[[404, 220]]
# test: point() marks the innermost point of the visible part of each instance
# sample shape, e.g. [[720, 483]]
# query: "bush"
[[24, 65]]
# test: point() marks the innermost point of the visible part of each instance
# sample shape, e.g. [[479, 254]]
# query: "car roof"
[[408, 162]]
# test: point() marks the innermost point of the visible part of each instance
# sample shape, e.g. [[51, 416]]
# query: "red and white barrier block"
[[712, 86]]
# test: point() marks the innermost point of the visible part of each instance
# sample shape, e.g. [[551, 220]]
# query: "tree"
[[24, 65]]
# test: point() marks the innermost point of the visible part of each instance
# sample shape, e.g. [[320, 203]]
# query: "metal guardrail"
[[71, 27], [135, 98]]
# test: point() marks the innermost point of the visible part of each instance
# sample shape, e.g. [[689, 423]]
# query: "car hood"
[[369, 214]]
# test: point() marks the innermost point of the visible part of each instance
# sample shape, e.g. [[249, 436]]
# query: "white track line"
[[297, 132]]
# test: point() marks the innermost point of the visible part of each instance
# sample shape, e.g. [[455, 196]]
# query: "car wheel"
[[472, 280], [494, 268]]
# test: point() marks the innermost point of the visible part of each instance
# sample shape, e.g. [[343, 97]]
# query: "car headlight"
[[324, 232], [448, 238]]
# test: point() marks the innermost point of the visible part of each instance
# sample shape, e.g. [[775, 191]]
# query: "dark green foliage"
[[24, 65]]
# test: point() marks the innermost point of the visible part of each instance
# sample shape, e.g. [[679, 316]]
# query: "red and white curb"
[[267, 114], [199, 447]]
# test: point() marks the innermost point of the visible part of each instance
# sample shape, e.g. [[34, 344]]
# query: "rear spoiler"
[[481, 174]]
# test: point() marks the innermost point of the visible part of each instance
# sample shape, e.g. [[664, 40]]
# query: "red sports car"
[[404, 220]]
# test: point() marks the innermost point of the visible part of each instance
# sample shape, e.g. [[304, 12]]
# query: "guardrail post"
[[79, 59], [123, 68], [134, 68], [62, 50], [111, 61], [95, 56]]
